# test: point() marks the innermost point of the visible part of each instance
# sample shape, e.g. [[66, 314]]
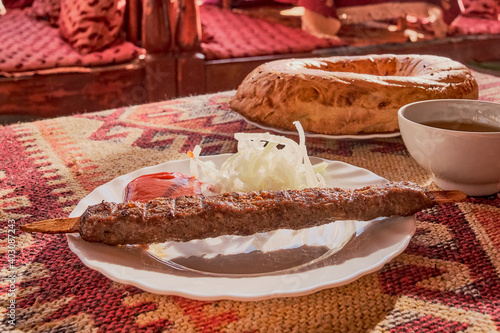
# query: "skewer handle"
[[54, 226], [442, 197]]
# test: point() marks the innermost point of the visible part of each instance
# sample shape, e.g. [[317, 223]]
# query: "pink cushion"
[[91, 26], [27, 44], [489, 9], [479, 17], [464, 25], [16, 3], [234, 35], [47, 10]]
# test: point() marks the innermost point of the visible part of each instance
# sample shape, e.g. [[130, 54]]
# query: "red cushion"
[[16, 3], [47, 10], [234, 35], [464, 25], [479, 17], [27, 44], [91, 26], [489, 9]]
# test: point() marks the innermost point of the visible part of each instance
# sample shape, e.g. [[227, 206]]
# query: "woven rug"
[[447, 280]]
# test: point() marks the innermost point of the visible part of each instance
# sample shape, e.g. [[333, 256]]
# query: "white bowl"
[[458, 160]]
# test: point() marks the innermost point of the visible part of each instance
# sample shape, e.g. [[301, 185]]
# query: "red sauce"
[[163, 184]]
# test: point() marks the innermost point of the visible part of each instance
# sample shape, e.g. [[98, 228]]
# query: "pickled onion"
[[263, 162]]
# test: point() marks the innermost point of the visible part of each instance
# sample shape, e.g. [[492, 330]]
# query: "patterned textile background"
[[447, 280]]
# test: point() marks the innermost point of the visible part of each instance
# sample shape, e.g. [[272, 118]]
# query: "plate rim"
[[394, 134]]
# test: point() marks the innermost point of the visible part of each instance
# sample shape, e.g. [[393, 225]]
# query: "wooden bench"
[[59, 91], [181, 58]]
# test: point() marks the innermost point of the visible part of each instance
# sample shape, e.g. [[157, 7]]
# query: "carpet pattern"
[[447, 280]]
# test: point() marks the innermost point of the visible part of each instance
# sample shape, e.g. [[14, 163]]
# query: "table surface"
[[447, 280]]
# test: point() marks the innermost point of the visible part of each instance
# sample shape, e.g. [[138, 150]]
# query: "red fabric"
[[16, 3], [349, 3], [27, 44], [47, 10], [479, 17], [488, 9], [328, 7], [446, 281], [233, 35], [464, 25], [91, 26]]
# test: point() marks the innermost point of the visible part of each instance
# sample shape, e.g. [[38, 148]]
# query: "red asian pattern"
[[47, 167]]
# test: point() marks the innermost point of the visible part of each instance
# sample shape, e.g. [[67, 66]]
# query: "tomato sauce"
[[163, 184]]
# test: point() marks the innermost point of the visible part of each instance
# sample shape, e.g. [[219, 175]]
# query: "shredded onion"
[[263, 162]]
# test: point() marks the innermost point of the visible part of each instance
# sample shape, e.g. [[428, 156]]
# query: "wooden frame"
[[173, 66]]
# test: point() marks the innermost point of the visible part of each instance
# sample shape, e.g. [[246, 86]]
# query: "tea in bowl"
[[457, 140]]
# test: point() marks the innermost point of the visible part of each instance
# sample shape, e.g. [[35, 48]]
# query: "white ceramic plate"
[[327, 136], [363, 247]]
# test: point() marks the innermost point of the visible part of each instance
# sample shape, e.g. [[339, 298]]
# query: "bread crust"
[[348, 95]]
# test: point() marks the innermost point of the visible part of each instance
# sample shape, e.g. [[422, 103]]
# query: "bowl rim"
[[447, 100]]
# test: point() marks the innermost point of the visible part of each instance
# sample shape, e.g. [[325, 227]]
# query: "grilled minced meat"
[[197, 217]]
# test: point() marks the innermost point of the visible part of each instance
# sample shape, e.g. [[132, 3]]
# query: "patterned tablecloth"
[[447, 279]]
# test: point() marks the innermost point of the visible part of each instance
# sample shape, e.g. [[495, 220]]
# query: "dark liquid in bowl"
[[465, 126]]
